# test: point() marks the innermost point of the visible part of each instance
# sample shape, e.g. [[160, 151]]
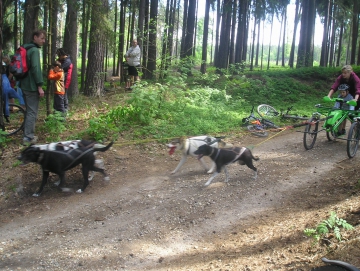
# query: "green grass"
[[193, 105]]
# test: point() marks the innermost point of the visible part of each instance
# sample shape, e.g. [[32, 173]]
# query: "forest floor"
[[147, 219]]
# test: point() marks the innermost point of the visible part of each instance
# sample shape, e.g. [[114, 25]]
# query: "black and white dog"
[[223, 157], [62, 156], [189, 145]]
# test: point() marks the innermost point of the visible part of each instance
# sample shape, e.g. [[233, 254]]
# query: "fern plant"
[[333, 224]]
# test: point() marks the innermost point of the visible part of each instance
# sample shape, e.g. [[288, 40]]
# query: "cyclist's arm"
[[331, 92]]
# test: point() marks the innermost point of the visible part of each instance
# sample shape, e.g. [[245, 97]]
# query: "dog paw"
[[79, 191], [107, 178], [35, 195], [207, 183], [209, 171], [57, 183], [173, 172]]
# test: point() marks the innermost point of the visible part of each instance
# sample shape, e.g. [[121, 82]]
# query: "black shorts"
[[132, 70]]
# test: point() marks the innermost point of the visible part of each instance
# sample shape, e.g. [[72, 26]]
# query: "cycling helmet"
[[344, 87]]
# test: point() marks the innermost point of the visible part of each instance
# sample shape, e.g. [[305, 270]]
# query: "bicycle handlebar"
[[328, 99]]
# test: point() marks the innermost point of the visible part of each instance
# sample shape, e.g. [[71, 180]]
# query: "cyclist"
[[346, 96], [350, 78]]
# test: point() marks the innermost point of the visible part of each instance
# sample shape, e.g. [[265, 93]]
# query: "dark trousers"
[[59, 102]]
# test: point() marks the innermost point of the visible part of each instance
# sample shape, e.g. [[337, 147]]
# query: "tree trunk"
[[70, 44], [151, 65], [182, 48], [233, 33], [190, 25], [94, 82], [84, 37], [355, 30], [241, 39], [141, 20], [16, 27], [272, 20], [284, 40], [279, 43], [115, 41], [31, 19], [296, 21], [253, 45], [340, 44], [306, 43], [223, 61], [121, 40], [257, 45], [217, 32], [324, 44], [205, 37]]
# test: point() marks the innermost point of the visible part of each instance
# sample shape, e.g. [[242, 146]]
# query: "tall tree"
[[306, 43], [151, 65], [185, 13], [190, 29], [86, 11], [205, 37], [223, 55], [355, 30], [94, 82], [296, 22], [70, 43], [115, 37], [31, 19]]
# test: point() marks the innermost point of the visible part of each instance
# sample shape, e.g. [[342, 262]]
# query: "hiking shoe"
[[28, 141], [342, 132]]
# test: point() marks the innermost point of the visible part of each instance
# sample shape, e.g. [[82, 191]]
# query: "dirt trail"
[[147, 219]]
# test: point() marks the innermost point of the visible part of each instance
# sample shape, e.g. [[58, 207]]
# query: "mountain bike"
[[334, 117], [257, 126], [269, 111], [15, 122], [335, 266]]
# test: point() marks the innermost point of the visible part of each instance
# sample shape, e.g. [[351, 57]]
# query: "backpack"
[[18, 65]]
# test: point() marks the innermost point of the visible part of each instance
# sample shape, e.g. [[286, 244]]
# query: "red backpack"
[[18, 66]]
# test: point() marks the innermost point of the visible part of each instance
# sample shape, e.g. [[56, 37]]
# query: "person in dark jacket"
[[67, 67], [31, 86]]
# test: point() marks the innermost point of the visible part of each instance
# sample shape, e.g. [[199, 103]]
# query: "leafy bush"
[[333, 225]]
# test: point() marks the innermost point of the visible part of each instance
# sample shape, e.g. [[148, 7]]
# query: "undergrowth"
[[186, 102]]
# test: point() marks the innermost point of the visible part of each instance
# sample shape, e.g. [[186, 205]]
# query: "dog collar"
[[217, 154]]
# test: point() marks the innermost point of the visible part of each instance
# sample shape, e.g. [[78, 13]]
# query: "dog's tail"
[[100, 147], [256, 158]]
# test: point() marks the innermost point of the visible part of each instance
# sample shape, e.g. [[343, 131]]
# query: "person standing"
[[56, 75], [31, 86], [132, 57], [67, 67]]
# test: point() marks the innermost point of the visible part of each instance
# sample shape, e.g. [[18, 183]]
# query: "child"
[[346, 96], [56, 75]]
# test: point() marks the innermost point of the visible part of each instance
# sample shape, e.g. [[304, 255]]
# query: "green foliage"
[[3, 139], [54, 126], [333, 224]]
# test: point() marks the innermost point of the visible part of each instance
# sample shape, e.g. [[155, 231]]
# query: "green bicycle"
[[334, 117]]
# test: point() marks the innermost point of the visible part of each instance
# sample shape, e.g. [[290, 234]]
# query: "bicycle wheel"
[[267, 110], [353, 139], [16, 120], [257, 130], [310, 133]]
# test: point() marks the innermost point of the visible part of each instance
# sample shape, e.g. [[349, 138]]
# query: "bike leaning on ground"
[[258, 125]]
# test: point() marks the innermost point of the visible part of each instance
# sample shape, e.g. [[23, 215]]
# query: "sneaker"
[[28, 141]]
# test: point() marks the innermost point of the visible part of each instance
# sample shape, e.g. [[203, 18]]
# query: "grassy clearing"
[[191, 105]]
